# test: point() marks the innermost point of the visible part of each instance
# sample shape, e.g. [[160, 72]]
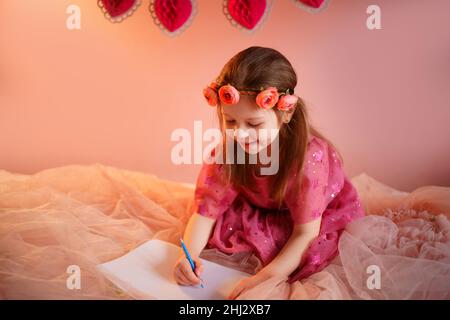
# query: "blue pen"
[[188, 256]]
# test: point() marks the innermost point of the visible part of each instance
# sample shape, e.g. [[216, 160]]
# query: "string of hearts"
[[175, 16]]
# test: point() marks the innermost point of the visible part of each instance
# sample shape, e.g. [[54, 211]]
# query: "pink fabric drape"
[[86, 215]]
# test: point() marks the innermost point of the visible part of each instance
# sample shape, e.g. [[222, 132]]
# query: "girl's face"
[[251, 125]]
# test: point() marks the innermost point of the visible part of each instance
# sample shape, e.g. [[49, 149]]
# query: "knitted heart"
[[173, 16], [312, 3], [246, 13], [312, 6], [117, 10]]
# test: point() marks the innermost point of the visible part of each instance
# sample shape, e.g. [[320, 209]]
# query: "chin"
[[252, 148]]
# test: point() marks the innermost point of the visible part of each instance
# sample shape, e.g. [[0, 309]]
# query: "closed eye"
[[250, 124]]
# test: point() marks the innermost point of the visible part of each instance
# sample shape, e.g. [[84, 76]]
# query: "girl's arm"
[[197, 234], [195, 237]]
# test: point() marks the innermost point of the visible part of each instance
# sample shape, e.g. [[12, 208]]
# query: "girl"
[[290, 221]]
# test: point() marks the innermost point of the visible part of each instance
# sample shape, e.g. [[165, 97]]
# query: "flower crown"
[[265, 98]]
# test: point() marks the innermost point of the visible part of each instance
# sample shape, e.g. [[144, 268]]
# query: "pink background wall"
[[113, 93]]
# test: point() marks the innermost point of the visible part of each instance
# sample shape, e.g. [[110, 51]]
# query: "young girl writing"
[[290, 220]]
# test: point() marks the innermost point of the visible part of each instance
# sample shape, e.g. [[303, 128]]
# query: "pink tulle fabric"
[[86, 215]]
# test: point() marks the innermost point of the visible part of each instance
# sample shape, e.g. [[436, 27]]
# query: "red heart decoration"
[[117, 10], [173, 15], [312, 3], [247, 13], [312, 6]]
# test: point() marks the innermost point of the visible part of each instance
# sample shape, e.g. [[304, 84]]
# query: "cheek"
[[265, 136], [228, 132]]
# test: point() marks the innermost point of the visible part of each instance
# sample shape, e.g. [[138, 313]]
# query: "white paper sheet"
[[147, 273]]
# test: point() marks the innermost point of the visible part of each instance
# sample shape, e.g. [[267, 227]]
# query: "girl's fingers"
[[237, 291], [189, 274], [177, 276], [198, 268], [181, 278], [198, 264]]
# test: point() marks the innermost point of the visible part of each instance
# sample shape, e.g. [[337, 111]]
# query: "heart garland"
[[247, 15], [173, 17], [118, 10]]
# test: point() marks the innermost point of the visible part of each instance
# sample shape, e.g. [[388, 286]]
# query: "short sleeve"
[[322, 180], [213, 196]]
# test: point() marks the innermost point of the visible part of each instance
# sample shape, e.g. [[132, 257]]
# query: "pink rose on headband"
[[210, 96], [229, 94], [266, 99], [287, 102]]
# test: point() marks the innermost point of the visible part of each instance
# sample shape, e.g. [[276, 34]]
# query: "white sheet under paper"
[[147, 273]]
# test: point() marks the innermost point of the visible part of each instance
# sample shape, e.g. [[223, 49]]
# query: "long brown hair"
[[257, 67]]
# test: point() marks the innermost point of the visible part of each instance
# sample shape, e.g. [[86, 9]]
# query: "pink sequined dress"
[[250, 221]]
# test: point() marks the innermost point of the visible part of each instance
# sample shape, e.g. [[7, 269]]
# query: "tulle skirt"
[[86, 215]]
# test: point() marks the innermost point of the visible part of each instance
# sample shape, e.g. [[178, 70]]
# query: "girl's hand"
[[248, 283], [183, 273]]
